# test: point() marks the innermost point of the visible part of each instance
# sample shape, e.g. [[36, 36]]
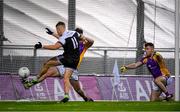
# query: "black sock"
[[85, 98], [166, 93]]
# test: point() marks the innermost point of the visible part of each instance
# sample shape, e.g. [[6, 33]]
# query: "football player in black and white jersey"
[[69, 40], [58, 71]]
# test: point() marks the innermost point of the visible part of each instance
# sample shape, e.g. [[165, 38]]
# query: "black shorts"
[[68, 63]]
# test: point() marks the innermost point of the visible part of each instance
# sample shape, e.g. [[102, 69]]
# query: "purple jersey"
[[82, 50], [81, 47], [152, 66]]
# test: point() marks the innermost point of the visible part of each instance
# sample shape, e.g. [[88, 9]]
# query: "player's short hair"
[[79, 30], [149, 44], [60, 23]]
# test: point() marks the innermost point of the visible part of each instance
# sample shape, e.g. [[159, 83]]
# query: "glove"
[[48, 31], [123, 69], [38, 46]]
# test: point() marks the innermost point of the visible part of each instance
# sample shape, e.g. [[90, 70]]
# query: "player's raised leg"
[[51, 62], [51, 72], [44, 72]]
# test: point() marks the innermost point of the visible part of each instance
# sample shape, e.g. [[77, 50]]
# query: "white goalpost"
[[177, 22]]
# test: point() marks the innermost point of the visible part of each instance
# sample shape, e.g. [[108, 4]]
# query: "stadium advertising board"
[[131, 88]]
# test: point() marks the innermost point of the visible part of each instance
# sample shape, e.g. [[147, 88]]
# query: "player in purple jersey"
[[156, 65]]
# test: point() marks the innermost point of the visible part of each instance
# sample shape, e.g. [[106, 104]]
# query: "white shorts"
[[61, 70], [169, 81]]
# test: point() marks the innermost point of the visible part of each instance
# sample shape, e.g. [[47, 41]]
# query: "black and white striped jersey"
[[70, 43]]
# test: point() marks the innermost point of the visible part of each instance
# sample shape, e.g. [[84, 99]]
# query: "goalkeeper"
[[156, 65]]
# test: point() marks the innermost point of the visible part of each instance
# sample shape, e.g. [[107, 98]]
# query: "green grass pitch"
[[100, 106]]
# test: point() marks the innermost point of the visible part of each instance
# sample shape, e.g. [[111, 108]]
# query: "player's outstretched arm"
[[56, 46], [124, 68]]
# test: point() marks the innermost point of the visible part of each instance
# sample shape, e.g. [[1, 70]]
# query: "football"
[[24, 72]]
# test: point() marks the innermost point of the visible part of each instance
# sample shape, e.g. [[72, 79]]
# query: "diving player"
[[156, 65]]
